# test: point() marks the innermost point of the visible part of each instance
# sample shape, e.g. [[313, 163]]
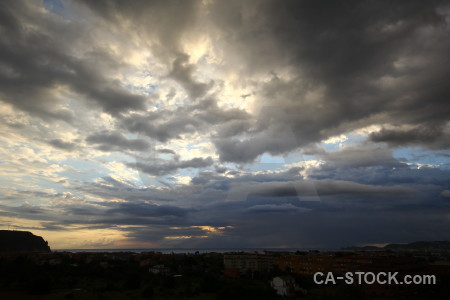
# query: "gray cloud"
[[321, 187], [363, 63], [34, 63], [356, 213], [163, 125], [167, 124], [359, 157], [208, 111], [148, 210], [171, 166], [163, 22], [426, 136], [60, 144], [113, 141], [358, 60], [182, 73], [304, 70], [166, 151], [270, 208]]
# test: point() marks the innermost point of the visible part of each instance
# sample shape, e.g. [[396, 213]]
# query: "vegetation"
[[127, 276]]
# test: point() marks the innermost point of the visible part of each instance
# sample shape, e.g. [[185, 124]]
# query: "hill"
[[22, 241], [416, 246]]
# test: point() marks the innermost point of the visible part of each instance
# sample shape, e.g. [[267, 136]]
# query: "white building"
[[159, 269], [284, 285]]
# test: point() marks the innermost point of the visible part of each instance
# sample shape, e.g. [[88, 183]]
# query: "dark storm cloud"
[[426, 136], [112, 141], [266, 208], [152, 20], [324, 187], [148, 210], [232, 128], [110, 188], [346, 228], [166, 151], [268, 134], [367, 62], [17, 195], [388, 175], [162, 21], [163, 125], [60, 144], [312, 69], [26, 209], [359, 157], [208, 111], [223, 178], [277, 224], [363, 63], [159, 234], [158, 168], [167, 124], [70, 210], [34, 63], [182, 73], [356, 213], [375, 165]]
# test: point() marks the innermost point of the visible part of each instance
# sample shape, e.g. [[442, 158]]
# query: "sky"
[[225, 124]]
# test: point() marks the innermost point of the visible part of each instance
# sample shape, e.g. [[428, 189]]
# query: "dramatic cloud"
[[38, 65], [225, 123], [428, 137], [358, 157], [182, 73], [169, 167], [109, 141], [339, 66], [57, 143]]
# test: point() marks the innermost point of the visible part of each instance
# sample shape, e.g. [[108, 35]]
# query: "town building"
[[284, 285]]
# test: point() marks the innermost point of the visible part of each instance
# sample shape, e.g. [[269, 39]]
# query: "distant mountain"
[[440, 245], [427, 246], [22, 241]]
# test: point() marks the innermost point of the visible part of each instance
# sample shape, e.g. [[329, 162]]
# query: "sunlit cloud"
[[224, 123]]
